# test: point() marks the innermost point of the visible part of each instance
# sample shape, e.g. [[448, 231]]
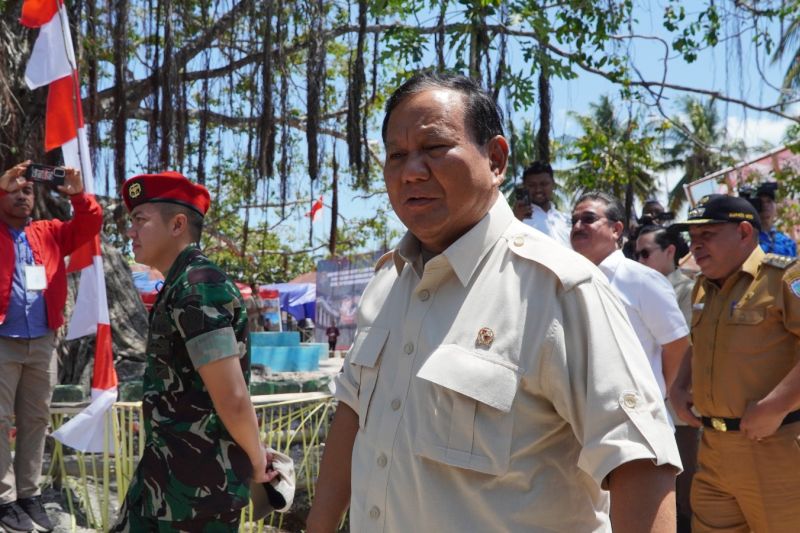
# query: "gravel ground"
[[58, 511]]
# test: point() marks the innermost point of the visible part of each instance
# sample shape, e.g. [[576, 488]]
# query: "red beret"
[[168, 186]]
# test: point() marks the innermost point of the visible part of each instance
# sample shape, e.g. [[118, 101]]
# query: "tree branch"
[[681, 88], [139, 89]]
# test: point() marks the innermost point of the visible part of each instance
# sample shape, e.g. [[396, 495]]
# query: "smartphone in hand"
[[521, 195], [45, 174]]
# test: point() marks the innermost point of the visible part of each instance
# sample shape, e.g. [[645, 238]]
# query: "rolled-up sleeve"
[[600, 382], [661, 312]]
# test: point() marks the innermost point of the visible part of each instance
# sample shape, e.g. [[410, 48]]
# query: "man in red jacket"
[[33, 291]]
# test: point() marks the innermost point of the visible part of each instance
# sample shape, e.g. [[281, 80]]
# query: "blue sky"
[[715, 69]]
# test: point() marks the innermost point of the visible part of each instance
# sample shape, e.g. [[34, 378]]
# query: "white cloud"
[[757, 131]]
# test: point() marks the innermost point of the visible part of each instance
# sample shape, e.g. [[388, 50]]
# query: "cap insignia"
[[135, 190]]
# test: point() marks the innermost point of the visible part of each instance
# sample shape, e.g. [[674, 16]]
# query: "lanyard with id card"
[[35, 275], [35, 278]]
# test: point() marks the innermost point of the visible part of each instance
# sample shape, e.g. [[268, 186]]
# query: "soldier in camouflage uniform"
[[201, 434]]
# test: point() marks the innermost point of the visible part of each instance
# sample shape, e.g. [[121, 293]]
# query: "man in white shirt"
[[540, 213], [647, 295], [494, 383]]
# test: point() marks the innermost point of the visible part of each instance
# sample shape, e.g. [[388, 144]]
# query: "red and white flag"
[[316, 210], [52, 63]]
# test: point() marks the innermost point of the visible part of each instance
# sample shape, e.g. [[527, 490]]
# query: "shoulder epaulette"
[[534, 246], [382, 261], [778, 261]]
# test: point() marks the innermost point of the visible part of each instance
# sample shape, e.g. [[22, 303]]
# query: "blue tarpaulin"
[[145, 283], [298, 299]]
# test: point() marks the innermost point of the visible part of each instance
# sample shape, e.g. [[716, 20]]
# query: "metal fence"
[[95, 484]]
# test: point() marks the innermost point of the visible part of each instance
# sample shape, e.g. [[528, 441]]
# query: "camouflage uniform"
[[192, 474]]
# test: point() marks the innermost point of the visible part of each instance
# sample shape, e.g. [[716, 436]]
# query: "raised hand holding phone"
[[73, 182], [14, 178]]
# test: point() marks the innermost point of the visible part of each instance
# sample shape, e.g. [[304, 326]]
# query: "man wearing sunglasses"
[[743, 376], [647, 296]]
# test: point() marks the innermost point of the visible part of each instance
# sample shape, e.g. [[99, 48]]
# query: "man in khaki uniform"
[[744, 375], [494, 383]]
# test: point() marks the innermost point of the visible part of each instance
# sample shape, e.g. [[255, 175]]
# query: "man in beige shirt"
[[495, 383]]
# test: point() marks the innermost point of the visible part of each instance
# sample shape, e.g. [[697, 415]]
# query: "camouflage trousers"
[[132, 520]]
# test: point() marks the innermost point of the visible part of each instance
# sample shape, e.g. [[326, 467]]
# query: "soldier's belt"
[[732, 424]]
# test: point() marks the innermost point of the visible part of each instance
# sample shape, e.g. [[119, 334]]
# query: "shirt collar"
[[539, 208], [181, 261], [610, 264], [753, 262], [14, 231], [676, 275], [466, 253], [548, 212], [750, 266]]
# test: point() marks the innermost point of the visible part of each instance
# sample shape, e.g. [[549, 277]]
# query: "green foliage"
[[698, 144], [613, 154], [788, 47], [523, 150], [700, 32], [561, 38]]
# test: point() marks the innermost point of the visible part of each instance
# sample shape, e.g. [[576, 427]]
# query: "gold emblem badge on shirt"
[[485, 337]]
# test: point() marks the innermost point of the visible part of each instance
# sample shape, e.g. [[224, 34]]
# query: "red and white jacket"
[[51, 241]]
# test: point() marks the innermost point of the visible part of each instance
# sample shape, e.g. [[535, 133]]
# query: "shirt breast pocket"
[[469, 423], [364, 355], [747, 317]]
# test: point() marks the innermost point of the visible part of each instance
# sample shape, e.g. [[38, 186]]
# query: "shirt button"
[[396, 404], [382, 460], [630, 400], [409, 348], [374, 513], [424, 294], [519, 241]]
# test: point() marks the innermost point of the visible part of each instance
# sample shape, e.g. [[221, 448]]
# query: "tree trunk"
[[543, 135], [128, 319]]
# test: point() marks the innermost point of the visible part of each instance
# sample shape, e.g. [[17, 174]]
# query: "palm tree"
[[789, 40], [698, 144], [614, 154], [523, 151]]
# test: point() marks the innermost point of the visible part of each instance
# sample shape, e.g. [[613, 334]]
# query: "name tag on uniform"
[[35, 278]]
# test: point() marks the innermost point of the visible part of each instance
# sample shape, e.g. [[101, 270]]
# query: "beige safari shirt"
[[683, 286], [745, 334], [496, 386]]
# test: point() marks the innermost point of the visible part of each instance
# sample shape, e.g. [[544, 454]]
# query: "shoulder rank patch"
[[778, 261], [795, 286]]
